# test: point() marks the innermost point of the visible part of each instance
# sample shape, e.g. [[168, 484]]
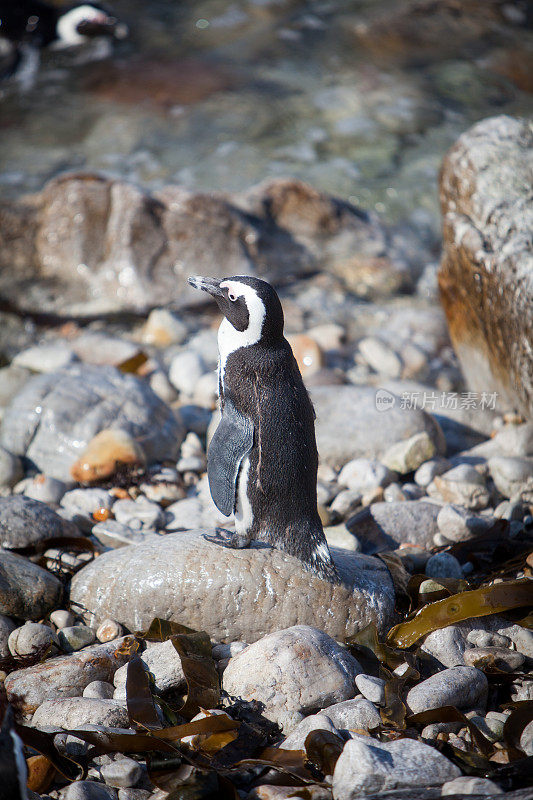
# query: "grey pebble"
[[409, 454], [115, 534], [102, 690], [75, 637], [88, 790], [503, 658], [82, 503], [315, 722], [10, 469], [139, 514], [354, 713], [6, 627], [513, 477], [62, 618], [345, 503], [32, 636], [43, 488], [24, 522], [371, 688], [443, 565], [458, 524], [363, 474], [26, 590], [108, 630], [481, 638], [124, 772], [464, 687], [185, 371], [466, 785], [429, 469], [75, 712], [163, 662]]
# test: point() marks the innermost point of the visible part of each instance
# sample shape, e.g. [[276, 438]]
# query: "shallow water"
[[221, 94]]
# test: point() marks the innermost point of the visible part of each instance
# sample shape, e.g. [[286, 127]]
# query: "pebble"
[[513, 477], [363, 474], [124, 772], [81, 504], [206, 390], [463, 485], [24, 522], [62, 618], [382, 358], [430, 469], [393, 493], [43, 488], [137, 794], [10, 469], [32, 636], [383, 526], [184, 515], [139, 514], [88, 790], [45, 357], [367, 766], [185, 371], [64, 676], [372, 688], [315, 722], [458, 524], [328, 336], [108, 630], [105, 453], [444, 565], [407, 456], [163, 328], [491, 725], [466, 785], [480, 638], [463, 687], [502, 658], [114, 534], [352, 714], [307, 353], [6, 627], [223, 651], [340, 536], [345, 503], [102, 690], [76, 712], [75, 637], [163, 662], [316, 673], [27, 591]]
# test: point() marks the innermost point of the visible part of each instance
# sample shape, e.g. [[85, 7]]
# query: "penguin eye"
[[232, 297]]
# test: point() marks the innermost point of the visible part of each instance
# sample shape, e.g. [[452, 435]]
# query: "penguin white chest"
[[244, 515]]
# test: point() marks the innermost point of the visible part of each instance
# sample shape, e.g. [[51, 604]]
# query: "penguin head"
[[250, 305], [84, 21]]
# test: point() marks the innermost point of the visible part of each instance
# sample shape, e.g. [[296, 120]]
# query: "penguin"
[[13, 769], [28, 26], [262, 460]]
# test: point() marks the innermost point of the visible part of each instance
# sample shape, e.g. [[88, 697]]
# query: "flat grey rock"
[[464, 687], [231, 594], [24, 521], [75, 712], [366, 431], [383, 526], [53, 418], [367, 766], [26, 590], [355, 713]]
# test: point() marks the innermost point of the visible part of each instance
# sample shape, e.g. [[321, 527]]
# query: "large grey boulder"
[[292, 672], [231, 594], [54, 417], [24, 521], [353, 422], [384, 526], [486, 275], [26, 590], [88, 244]]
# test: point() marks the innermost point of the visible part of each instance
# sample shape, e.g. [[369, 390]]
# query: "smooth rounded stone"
[[106, 453], [124, 772], [62, 618], [430, 469], [463, 485], [138, 794], [6, 627], [329, 336], [55, 416], [526, 739], [81, 504], [27, 591], [186, 369], [184, 515], [513, 477], [412, 491], [24, 522], [75, 712], [72, 638], [43, 488], [292, 671], [340, 536], [345, 503], [382, 358], [491, 725], [45, 357], [88, 790], [353, 714], [99, 348], [163, 662], [464, 687], [250, 592], [480, 638], [63, 676], [108, 630], [502, 658], [458, 524], [30, 637], [448, 644], [298, 735], [362, 474], [371, 688], [444, 565], [114, 534], [163, 328], [10, 469], [101, 690], [366, 766], [226, 651], [370, 432], [383, 526], [511, 510], [308, 354], [393, 493], [139, 514], [467, 785], [406, 456], [485, 184]]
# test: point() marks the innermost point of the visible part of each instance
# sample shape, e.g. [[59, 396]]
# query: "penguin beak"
[[103, 25], [210, 285]]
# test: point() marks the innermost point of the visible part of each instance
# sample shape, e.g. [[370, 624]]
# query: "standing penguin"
[[262, 461]]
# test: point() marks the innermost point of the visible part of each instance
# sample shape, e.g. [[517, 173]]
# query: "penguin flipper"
[[232, 441]]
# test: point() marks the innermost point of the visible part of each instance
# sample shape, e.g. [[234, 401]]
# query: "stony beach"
[[142, 660]]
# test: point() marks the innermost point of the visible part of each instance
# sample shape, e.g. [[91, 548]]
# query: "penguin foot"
[[228, 539]]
